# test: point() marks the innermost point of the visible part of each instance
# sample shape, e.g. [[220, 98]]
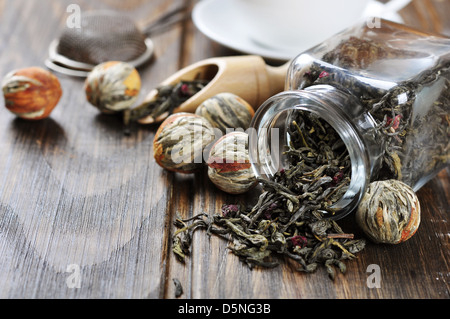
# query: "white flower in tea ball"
[[389, 212], [180, 142], [229, 166], [226, 111], [113, 86]]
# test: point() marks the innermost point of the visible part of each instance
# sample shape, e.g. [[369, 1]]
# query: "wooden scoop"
[[246, 76]]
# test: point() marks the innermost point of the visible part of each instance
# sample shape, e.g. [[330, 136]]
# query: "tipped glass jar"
[[385, 91]]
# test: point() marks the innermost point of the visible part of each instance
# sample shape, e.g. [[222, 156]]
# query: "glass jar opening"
[[271, 147]]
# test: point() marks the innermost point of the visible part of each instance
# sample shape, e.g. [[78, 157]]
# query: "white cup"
[[296, 25]]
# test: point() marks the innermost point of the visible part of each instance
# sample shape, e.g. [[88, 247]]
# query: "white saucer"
[[216, 20]]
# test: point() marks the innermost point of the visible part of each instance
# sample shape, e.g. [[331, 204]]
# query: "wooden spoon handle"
[[277, 78]]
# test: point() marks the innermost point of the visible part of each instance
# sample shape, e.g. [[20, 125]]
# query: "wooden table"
[[78, 197]]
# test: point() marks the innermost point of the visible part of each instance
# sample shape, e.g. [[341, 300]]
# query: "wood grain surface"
[[79, 196]]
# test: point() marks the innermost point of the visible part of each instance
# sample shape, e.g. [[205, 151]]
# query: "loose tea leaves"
[[178, 287], [305, 238], [359, 53], [288, 221], [167, 99]]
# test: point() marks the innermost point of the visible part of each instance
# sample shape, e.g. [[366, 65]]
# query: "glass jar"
[[384, 90]]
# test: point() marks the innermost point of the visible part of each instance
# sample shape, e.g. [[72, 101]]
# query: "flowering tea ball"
[[229, 165], [31, 93], [389, 212], [180, 141], [226, 110], [113, 86]]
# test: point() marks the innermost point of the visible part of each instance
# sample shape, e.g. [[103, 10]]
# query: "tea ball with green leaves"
[[389, 212], [227, 111], [229, 166], [180, 142], [113, 86]]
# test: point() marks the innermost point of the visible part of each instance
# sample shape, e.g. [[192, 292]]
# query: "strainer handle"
[[167, 20]]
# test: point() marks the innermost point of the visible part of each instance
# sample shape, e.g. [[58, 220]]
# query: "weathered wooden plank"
[[75, 190]]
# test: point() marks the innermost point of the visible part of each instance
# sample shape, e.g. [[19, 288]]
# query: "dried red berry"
[[323, 74], [299, 241], [228, 210]]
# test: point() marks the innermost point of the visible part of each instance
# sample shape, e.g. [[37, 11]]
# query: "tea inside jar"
[[319, 165]]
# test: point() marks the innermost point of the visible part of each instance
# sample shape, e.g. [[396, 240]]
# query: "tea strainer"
[[106, 36]]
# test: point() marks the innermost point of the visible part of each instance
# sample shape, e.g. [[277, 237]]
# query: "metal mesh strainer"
[[104, 36]]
